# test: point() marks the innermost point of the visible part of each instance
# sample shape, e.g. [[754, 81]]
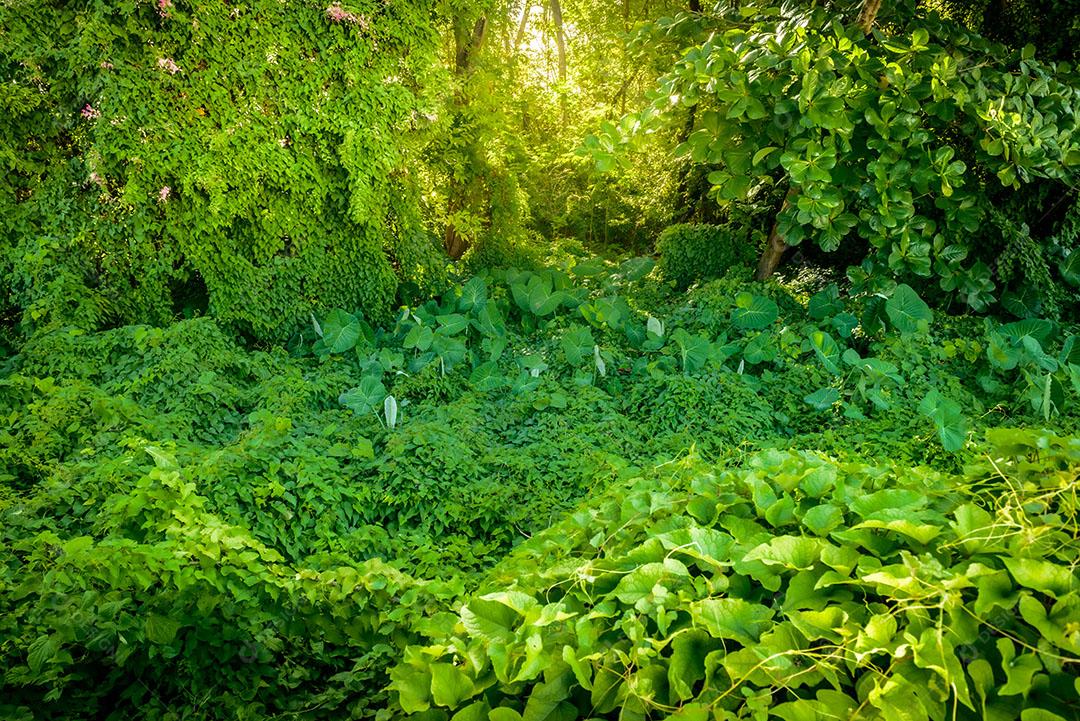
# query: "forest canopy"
[[540, 360]]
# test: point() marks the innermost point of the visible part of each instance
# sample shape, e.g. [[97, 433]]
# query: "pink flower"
[[163, 7], [338, 14], [96, 179], [168, 65], [163, 194], [90, 112]]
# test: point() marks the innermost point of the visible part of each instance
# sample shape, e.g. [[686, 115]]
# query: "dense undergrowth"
[[388, 360], [194, 528]]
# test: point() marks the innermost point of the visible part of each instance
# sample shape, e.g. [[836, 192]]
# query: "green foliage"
[[1053, 27], [173, 505], [800, 585], [692, 253], [329, 484], [248, 162], [497, 251], [888, 141], [100, 617]]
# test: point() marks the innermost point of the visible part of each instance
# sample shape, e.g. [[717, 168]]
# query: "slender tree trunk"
[[560, 37], [522, 25], [560, 44], [868, 14], [775, 247], [683, 185], [467, 42]]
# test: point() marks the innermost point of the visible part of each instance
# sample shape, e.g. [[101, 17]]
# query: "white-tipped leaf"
[[390, 410], [655, 326]]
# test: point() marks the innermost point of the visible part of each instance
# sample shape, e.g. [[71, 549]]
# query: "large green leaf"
[[907, 311], [826, 303], [341, 331], [1018, 670], [44, 649], [826, 350], [363, 398], [636, 268], [450, 685], [486, 377], [693, 350], [577, 345], [161, 629], [419, 337], [796, 553], [546, 697], [731, 618], [452, 323], [754, 312], [687, 665], [1070, 267], [949, 419], [413, 686], [1037, 329], [489, 619], [1049, 578], [450, 350], [473, 294], [640, 582], [589, 268], [823, 398]]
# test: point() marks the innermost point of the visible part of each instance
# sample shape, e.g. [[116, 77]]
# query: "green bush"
[[166, 611], [494, 250], [798, 587], [691, 253], [243, 161]]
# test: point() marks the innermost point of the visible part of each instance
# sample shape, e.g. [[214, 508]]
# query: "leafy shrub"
[[256, 152], [800, 586], [691, 253], [918, 203], [141, 616], [501, 251], [718, 412]]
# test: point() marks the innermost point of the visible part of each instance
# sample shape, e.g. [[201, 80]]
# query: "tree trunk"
[[467, 42], [683, 185], [556, 16], [560, 44], [520, 35], [453, 242], [868, 14], [560, 37], [775, 247]]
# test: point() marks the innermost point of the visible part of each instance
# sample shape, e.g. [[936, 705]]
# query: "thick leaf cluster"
[[801, 585]]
